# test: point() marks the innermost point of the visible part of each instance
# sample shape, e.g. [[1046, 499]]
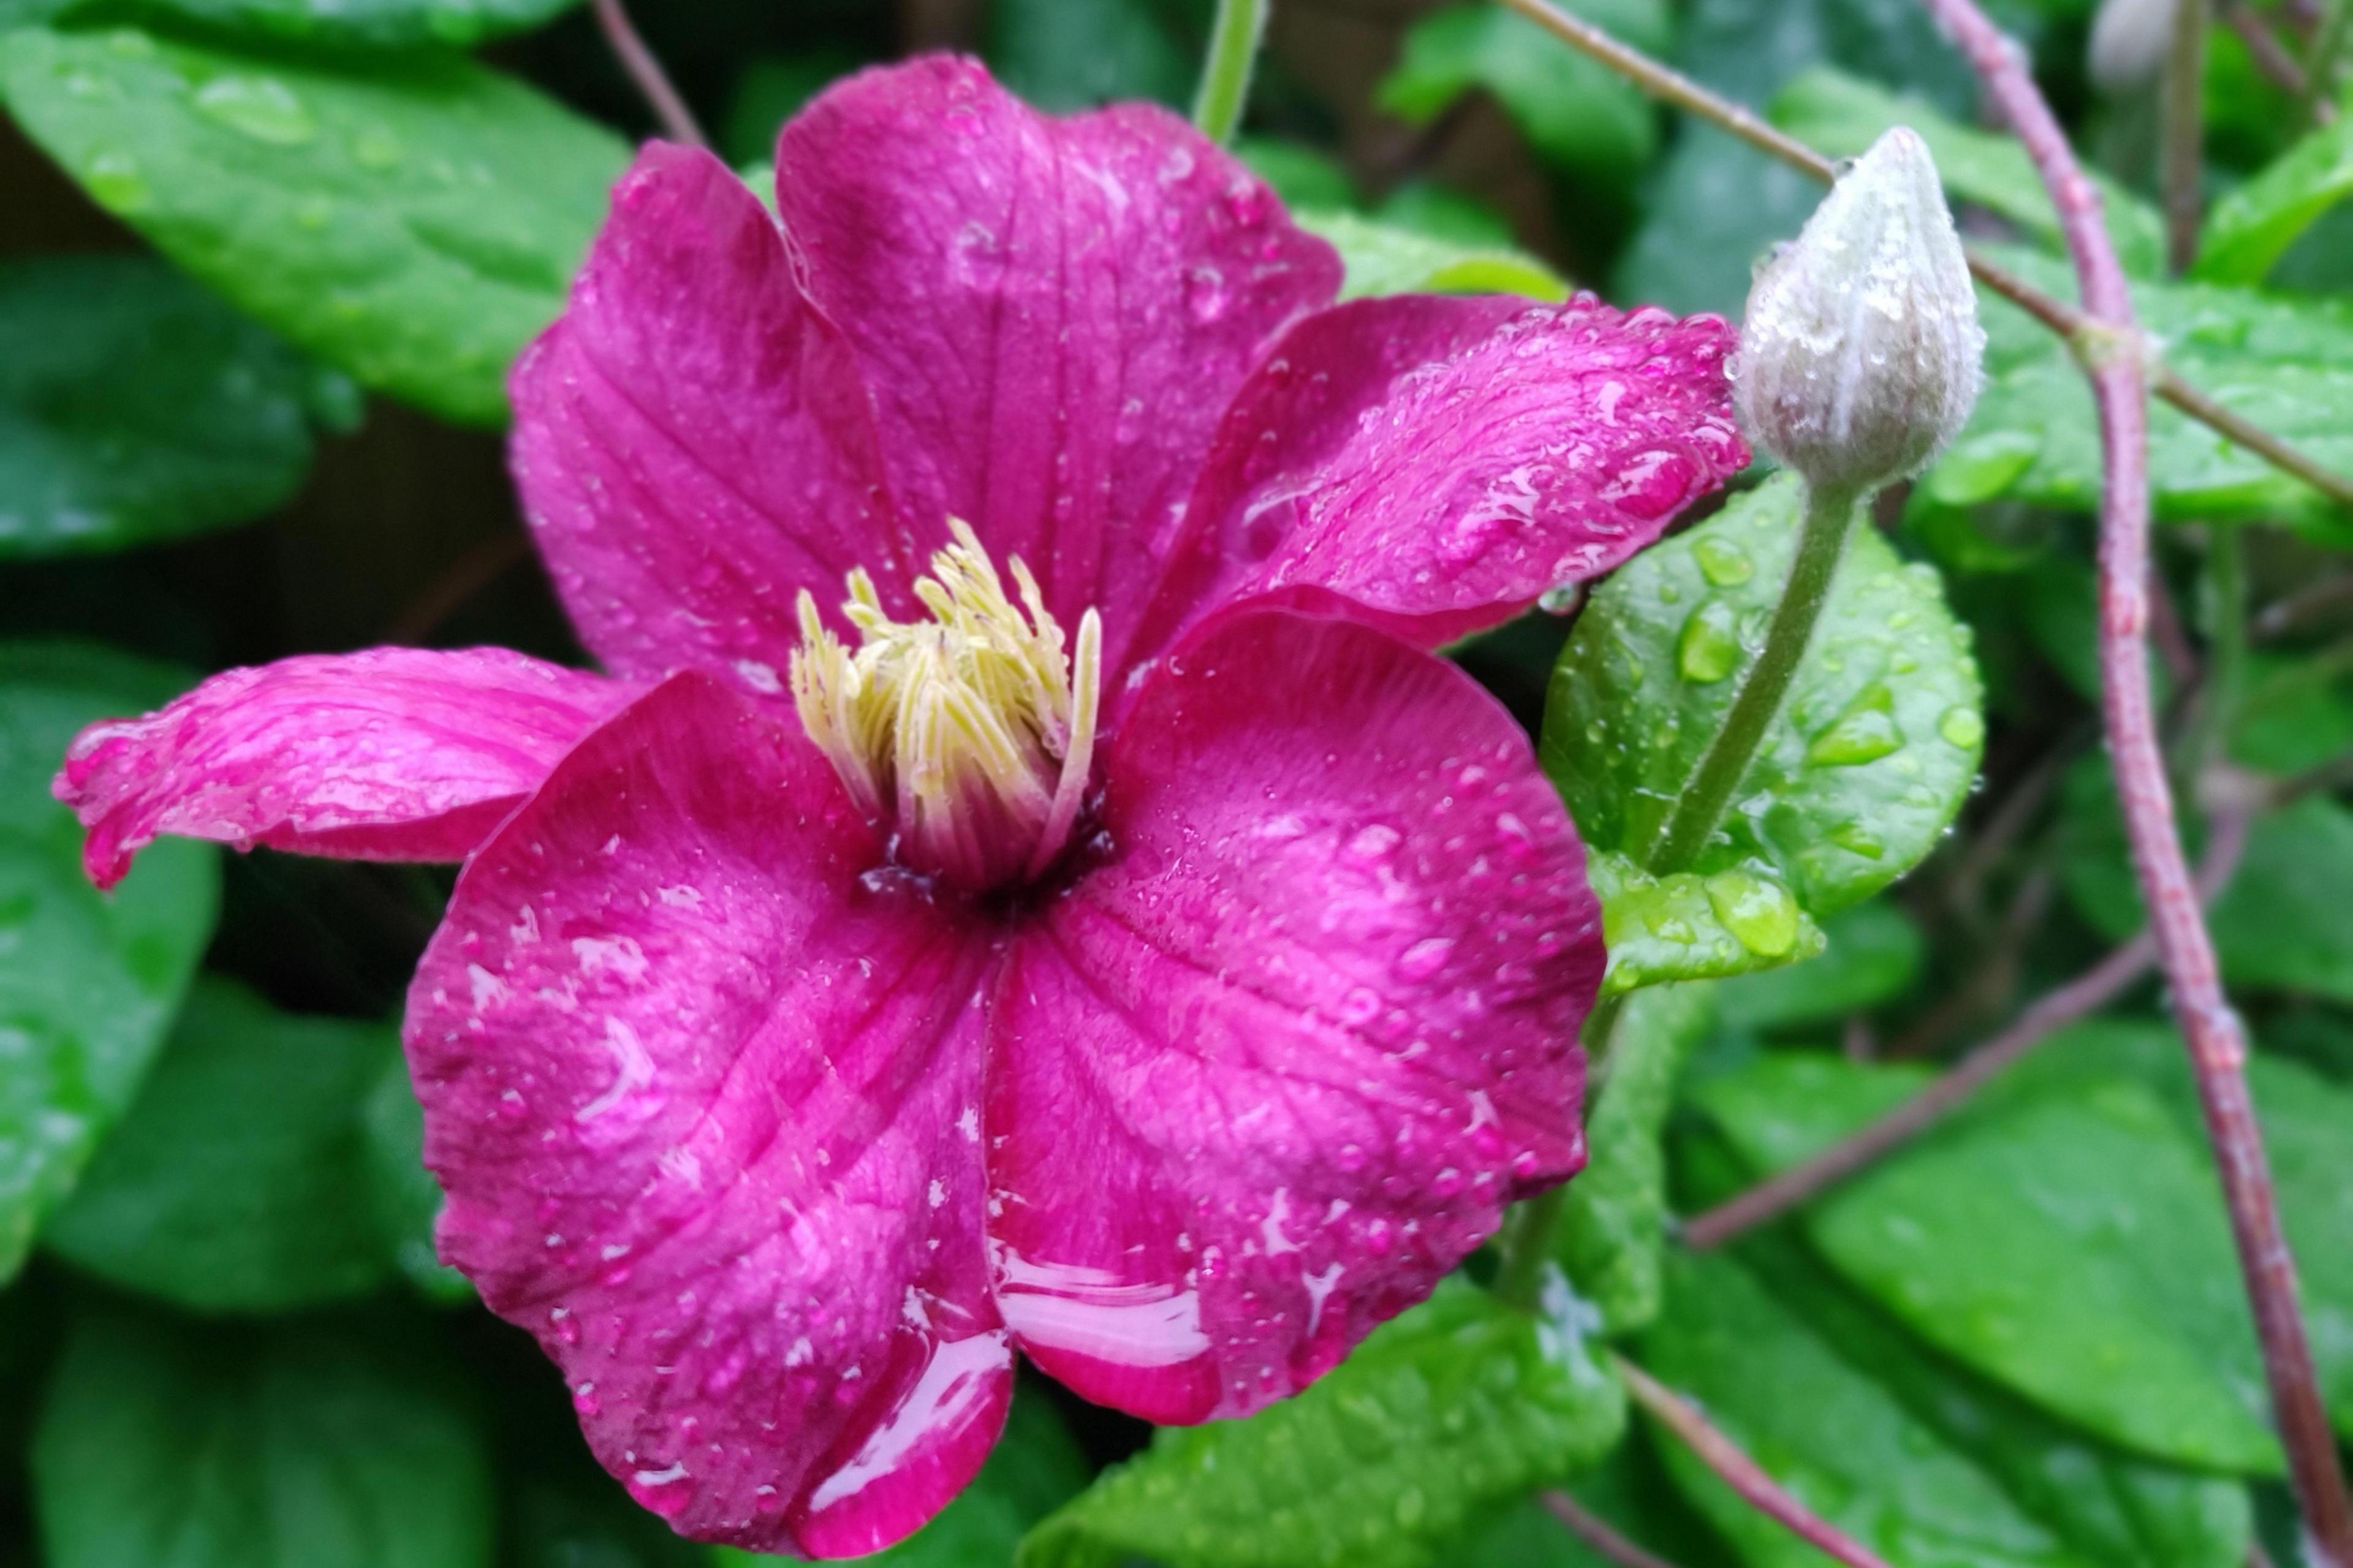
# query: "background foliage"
[[262, 265]]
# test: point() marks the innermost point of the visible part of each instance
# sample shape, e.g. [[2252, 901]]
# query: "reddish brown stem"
[[2271, 56], [670, 109], [2079, 998], [1741, 1473], [1595, 1532], [2217, 1046]]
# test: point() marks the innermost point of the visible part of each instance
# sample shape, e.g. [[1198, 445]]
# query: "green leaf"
[[1035, 1468], [2287, 364], [1065, 55], [1842, 115], [88, 983], [1453, 1405], [412, 219], [1714, 204], [1574, 112], [1911, 1454], [1612, 1220], [309, 1447], [238, 1180], [2294, 712], [2251, 229], [2281, 925], [1302, 174], [1870, 756], [1874, 956], [136, 407], [2068, 1243], [771, 90], [403, 1197], [1381, 259], [378, 23], [1629, 1491], [1687, 926]]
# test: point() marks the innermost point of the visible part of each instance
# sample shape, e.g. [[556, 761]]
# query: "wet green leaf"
[[135, 408], [1687, 926], [1382, 258], [2068, 1243], [310, 1446], [404, 1198], [1575, 113], [1612, 1222], [88, 983], [373, 23], [1874, 955], [1842, 115], [238, 1182], [411, 219], [1872, 752], [2285, 365], [1442, 1413], [1908, 1453]]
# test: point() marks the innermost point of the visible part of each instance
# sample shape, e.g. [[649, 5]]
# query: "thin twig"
[[2185, 950], [2079, 998], [2271, 56], [2182, 153], [466, 577], [2081, 332], [1595, 1531], [1743, 1475], [2320, 62], [2317, 602], [670, 109]]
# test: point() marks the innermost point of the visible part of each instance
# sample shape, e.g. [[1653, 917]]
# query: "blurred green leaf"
[[1912, 1456], [412, 220], [1303, 175], [377, 24], [2296, 712], [237, 1180], [1612, 1221], [1842, 115], [88, 983], [2068, 1243], [1033, 1470], [1713, 205], [1447, 1409], [403, 1197], [1873, 751], [1873, 956], [314, 1445], [1576, 113], [2284, 923], [136, 407], [2252, 226], [1063, 54], [1382, 260], [1688, 926], [771, 90], [2285, 365]]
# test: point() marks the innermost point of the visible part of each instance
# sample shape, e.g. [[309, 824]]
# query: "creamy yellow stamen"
[[972, 732]]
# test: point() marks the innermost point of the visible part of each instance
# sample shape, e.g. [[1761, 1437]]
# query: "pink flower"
[[1163, 966]]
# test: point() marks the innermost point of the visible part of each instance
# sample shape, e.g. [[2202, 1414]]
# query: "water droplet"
[[376, 147], [1725, 563], [114, 183], [1708, 649], [257, 106], [1865, 733], [1962, 726], [1760, 913]]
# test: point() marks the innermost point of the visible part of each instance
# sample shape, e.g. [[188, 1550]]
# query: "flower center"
[[971, 733]]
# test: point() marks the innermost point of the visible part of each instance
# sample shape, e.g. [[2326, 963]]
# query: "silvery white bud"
[[2130, 40], [1861, 354]]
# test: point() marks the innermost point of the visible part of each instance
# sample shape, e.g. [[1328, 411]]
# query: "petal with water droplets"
[[1278, 1060], [693, 1073]]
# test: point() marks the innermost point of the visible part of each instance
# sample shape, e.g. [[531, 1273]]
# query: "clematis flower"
[[1024, 884]]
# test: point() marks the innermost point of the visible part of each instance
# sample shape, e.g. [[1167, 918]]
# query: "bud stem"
[[1234, 38], [1822, 541]]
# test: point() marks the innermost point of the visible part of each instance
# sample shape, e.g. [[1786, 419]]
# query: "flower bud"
[[1861, 354], [2130, 40]]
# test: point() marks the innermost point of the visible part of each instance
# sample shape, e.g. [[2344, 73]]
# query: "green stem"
[[1527, 1243], [1820, 541], [2182, 134], [2321, 61], [1226, 76]]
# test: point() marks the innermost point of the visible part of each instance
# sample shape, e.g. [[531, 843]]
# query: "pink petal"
[[1273, 1067], [703, 1090], [392, 754], [1436, 464], [693, 441], [1052, 313]]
